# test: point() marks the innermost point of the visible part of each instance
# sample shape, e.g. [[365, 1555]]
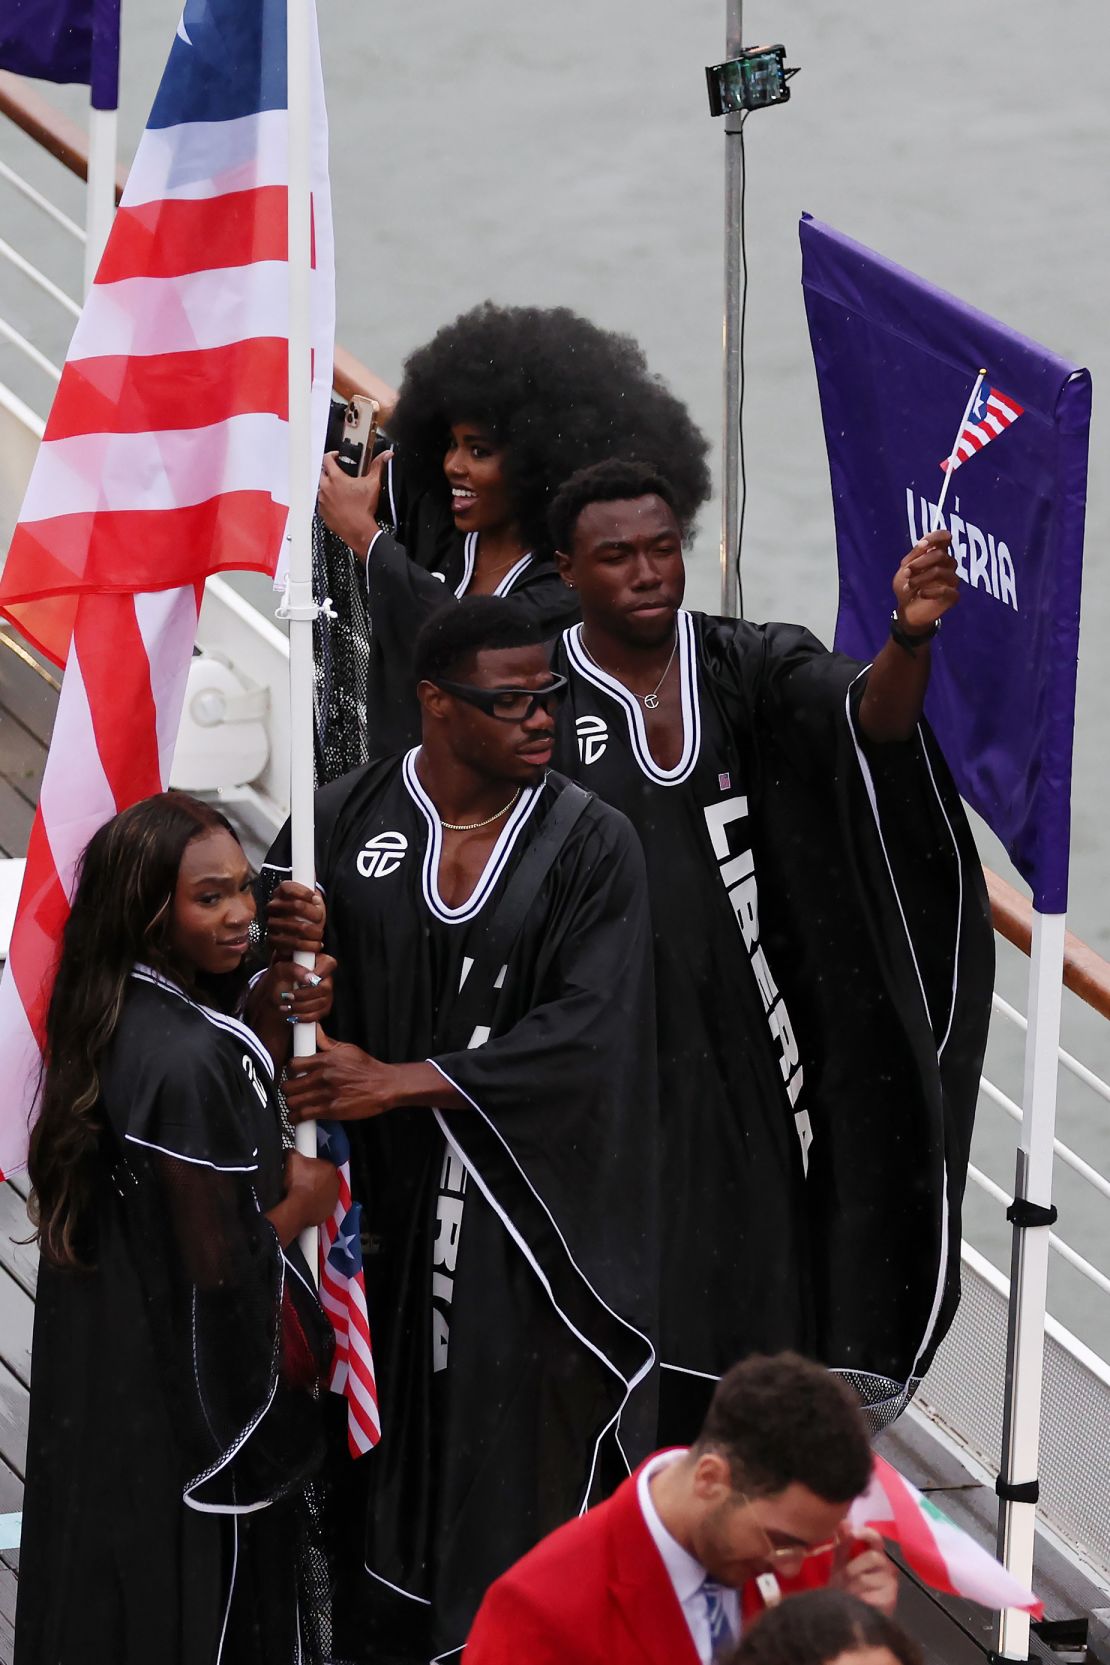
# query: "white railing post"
[[100, 192], [1029, 1270]]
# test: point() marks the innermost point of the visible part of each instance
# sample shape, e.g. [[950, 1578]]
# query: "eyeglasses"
[[509, 705], [791, 1558]]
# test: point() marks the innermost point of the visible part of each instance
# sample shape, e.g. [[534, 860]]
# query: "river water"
[[564, 154]]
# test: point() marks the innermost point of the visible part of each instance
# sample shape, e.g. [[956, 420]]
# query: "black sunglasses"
[[509, 705]]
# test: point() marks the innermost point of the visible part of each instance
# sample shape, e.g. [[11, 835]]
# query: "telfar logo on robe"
[[382, 855], [593, 737]]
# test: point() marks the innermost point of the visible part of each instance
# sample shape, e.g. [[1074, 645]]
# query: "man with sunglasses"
[[695, 1545], [486, 1053]]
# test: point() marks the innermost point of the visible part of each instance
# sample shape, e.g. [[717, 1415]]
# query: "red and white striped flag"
[[934, 1547], [990, 414], [343, 1297], [165, 459]]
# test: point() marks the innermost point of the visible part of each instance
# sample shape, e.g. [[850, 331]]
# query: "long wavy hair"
[[121, 915]]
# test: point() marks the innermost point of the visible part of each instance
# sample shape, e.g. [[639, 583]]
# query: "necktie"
[[721, 1636]]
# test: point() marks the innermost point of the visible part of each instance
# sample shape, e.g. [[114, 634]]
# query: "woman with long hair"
[[493, 414], [179, 1344], [825, 1627]]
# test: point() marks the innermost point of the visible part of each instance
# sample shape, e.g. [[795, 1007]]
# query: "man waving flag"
[[165, 458]]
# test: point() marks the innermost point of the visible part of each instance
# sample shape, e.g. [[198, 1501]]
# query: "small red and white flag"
[[165, 459], [934, 1547], [343, 1297], [989, 415]]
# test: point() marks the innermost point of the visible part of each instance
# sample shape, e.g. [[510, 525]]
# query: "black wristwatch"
[[909, 640]]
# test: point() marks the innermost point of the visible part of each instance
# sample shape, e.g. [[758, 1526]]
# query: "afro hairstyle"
[[558, 393]]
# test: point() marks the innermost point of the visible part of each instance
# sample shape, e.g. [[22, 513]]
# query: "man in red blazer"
[[697, 1542]]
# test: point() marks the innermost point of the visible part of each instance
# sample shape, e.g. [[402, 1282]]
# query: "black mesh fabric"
[[341, 653], [882, 1401], [221, 1309]]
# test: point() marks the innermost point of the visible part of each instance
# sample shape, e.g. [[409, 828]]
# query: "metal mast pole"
[[730, 448]]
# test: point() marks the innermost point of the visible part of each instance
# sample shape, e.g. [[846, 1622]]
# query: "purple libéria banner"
[[896, 362], [64, 41]]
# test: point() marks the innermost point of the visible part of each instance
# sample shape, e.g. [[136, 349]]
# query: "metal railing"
[[970, 1381], [1087, 976]]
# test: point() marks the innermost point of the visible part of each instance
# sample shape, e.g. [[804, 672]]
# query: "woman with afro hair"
[[493, 414]]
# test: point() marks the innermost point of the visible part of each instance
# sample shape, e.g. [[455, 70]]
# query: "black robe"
[[174, 1425], [510, 1247], [416, 563], [824, 961]]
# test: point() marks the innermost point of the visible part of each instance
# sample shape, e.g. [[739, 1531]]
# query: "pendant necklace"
[[472, 826], [650, 700]]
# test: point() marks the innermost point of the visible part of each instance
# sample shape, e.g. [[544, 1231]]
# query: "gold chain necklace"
[[472, 826]]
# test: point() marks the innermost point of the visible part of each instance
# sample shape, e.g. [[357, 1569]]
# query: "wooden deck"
[[18, 1265], [28, 697]]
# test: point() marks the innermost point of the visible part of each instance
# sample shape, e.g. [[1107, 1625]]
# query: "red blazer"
[[596, 1592]]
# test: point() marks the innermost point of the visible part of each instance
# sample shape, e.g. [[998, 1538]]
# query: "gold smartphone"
[[360, 432]]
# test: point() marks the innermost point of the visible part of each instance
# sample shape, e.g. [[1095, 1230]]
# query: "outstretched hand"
[[926, 585]]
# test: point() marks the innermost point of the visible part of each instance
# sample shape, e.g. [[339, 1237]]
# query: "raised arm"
[[925, 588]]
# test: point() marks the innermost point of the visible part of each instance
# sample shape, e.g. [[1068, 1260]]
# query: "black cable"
[[743, 504]]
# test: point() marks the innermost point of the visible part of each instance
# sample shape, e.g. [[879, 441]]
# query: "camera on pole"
[[757, 77]]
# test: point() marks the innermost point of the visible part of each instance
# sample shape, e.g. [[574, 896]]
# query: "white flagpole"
[[100, 190], [951, 469], [300, 607], [1029, 1270], [1029, 1258]]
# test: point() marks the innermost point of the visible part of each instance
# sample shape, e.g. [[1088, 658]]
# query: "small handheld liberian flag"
[[991, 413], [343, 1296]]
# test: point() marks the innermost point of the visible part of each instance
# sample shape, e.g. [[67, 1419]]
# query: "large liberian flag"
[[165, 459], [64, 40], [343, 1295], [895, 359]]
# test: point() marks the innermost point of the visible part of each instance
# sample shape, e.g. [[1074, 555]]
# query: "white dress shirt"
[[685, 1573]]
